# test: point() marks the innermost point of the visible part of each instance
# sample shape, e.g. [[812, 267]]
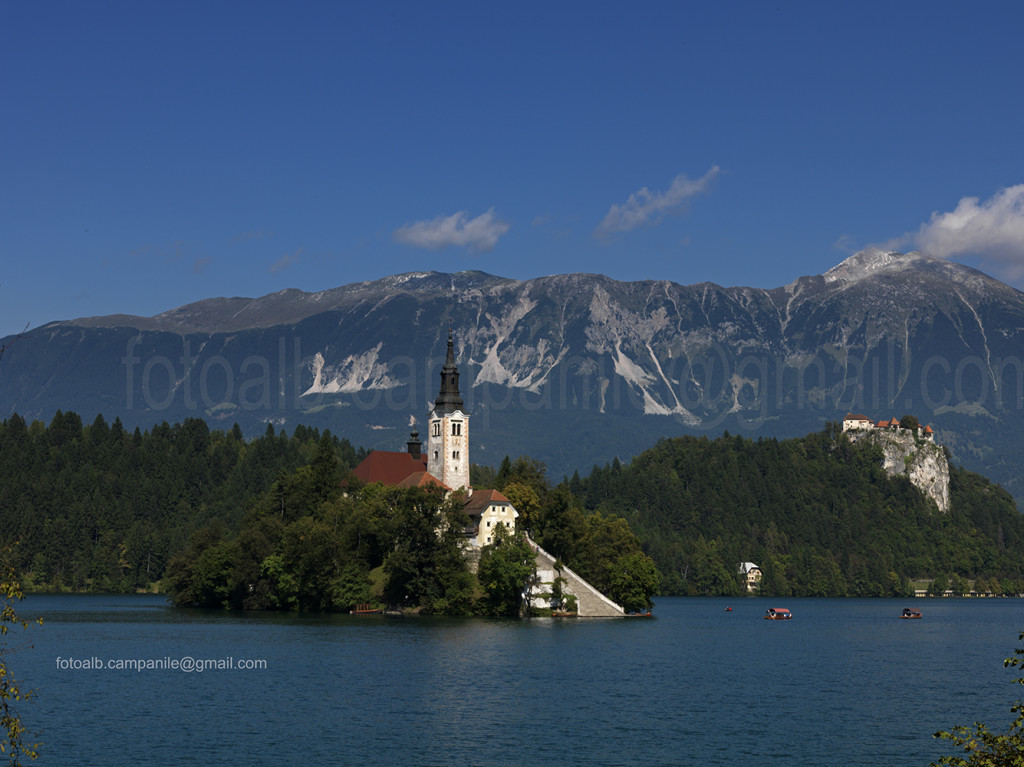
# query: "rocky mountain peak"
[[873, 267], [871, 261]]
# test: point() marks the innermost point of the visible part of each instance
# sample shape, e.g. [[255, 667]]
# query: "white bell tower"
[[448, 441]]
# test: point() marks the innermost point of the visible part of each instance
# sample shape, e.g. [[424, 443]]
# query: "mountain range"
[[572, 369]]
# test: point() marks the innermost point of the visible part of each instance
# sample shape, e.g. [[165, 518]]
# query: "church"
[[445, 463]]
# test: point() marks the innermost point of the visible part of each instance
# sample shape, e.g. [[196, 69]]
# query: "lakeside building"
[[751, 576]]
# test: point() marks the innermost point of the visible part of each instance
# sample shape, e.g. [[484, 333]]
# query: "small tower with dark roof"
[[414, 445], [448, 445]]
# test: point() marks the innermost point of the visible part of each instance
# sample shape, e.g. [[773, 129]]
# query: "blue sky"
[[154, 154]]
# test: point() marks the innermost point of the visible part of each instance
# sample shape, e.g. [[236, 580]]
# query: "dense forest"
[[817, 514], [277, 522], [98, 507]]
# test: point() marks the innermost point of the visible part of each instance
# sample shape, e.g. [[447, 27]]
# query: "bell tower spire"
[[448, 449], [449, 399]]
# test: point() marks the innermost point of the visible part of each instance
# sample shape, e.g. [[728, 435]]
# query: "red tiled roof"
[[481, 499], [389, 468], [856, 417], [422, 479], [927, 429]]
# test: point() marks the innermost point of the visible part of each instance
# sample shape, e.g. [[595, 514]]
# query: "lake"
[[844, 682]]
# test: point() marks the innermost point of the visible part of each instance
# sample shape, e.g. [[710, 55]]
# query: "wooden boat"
[[365, 609], [910, 613], [563, 614], [777, 614]]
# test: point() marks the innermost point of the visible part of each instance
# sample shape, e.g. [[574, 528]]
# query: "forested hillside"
[[817, 514], [103, 508], [274, 523], [98, 507]]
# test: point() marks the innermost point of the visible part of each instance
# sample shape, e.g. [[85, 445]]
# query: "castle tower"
[[448, 446]]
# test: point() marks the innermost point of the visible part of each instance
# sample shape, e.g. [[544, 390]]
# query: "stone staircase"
[[591, 603]]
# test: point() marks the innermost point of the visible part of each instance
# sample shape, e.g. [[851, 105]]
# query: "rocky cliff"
[[920, 460]]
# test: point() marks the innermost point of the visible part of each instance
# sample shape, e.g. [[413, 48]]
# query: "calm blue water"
[[845, 682]]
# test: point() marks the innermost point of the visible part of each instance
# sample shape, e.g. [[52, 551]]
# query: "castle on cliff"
[[911, 452], [856, 422]]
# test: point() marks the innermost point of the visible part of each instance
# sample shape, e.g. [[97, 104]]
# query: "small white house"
[[751, 575], [487, 509]]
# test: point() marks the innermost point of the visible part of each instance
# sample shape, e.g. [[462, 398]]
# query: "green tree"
[[505, 567], [349, 587], [481, 477], [504, 472], [910, 422], [526, 470], [557, 588], [634, 579], [201, 575], [325, 473], [984, 747], [11, 692], [939, 585], [281, 589], [606, 541], [425, 567], [525, 499], [559, 525]]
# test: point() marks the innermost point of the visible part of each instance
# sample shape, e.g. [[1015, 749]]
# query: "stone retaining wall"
[[591, 603]]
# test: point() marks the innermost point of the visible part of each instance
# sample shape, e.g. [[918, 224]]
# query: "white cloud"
[[992, 230], [846, 243], [645, 206], [285, 261], [479, 234]]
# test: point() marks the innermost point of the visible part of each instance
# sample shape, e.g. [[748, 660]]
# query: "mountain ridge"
[[569, 368], [862, 265]]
